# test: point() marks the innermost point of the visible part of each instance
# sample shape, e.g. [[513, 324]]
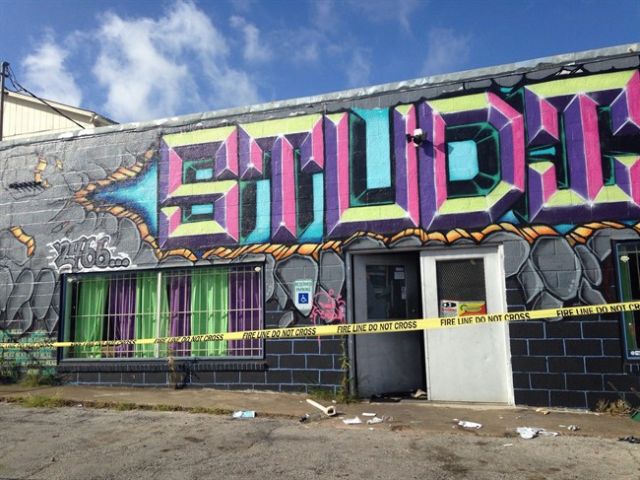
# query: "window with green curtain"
[[209, 310], [92, 300], [146, 325]]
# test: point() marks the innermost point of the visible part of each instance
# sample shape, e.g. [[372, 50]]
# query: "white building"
[[25, 116]]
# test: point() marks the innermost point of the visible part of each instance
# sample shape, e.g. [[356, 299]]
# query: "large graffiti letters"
[[361, 148], [198, 191], [583, 160], [554, 152], [475, 187], [293, 151]]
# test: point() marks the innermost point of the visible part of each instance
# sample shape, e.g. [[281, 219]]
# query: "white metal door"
[[470, 363]]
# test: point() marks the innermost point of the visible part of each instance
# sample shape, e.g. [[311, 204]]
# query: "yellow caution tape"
[[385, 326]]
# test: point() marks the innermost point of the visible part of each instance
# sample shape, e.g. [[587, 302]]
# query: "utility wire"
[[20, 88]]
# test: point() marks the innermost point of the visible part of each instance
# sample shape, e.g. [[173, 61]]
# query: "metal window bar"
[[186, 301], [629, 278]]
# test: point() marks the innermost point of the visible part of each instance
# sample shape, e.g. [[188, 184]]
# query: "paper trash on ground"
[[244, 414], [532, 432], [352, 421]]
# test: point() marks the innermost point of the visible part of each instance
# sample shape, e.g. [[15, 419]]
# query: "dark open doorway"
[[387, 287]]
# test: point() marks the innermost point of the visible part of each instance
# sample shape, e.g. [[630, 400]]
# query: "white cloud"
[[446, 51], [388, 10], [310, 51], [243, 6], [303, 45], [236, 85], [310, 43], [325, 14], [151, 67], [46, 75], [359, 68], [255, 49]]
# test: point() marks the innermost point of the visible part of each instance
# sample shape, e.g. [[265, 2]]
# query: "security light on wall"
[[417, 138]]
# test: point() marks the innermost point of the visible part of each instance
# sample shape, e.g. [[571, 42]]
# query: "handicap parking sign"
[[303, 295]]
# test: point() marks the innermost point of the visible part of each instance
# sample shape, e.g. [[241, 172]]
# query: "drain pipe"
[[3, 74]]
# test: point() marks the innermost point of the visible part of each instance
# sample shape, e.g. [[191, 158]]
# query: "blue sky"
[[139, 60]]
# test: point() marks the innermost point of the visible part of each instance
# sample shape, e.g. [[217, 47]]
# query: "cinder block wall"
[[574, 363]]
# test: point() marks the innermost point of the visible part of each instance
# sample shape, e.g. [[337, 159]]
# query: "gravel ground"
[[79, 443]]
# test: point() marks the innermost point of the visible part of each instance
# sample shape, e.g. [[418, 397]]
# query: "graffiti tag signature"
[[85, 253], [328, 307]]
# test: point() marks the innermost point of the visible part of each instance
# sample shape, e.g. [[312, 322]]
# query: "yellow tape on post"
[[385, 326]]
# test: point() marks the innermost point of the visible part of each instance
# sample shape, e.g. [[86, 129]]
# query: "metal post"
[[156, 347], [3, 74]]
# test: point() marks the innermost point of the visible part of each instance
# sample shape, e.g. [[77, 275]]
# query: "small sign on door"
[[459, 308]]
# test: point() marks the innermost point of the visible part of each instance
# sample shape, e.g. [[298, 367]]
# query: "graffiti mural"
[[549, 167]]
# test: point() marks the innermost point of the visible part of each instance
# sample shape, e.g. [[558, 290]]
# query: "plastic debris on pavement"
[[352, 421], [244, 414], [571, 428], [467, 424], [629, 439], [368, 414], [532, 432], [304, 418], [419, 394], [329, 411], [527, 433], [375, 420]]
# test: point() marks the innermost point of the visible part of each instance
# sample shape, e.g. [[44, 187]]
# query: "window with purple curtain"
[[245, 309], [200, 300], [121, 314], [179, 285]]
